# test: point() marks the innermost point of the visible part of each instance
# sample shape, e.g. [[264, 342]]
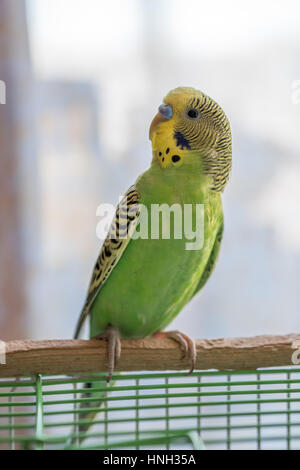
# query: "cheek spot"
[[181, 141], [160, 154], [175, 158], [167, 151]]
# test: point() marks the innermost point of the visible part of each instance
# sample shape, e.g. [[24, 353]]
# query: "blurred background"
[[82, 80]]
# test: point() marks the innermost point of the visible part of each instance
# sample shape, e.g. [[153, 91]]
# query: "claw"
[[187, 345], [112, 336], [118, 350]]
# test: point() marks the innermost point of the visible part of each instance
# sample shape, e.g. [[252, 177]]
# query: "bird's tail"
[[92, 401]]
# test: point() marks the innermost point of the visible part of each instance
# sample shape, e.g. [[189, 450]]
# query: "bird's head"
[[192, 130]]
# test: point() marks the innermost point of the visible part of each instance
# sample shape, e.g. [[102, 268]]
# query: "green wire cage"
[[211, 409]]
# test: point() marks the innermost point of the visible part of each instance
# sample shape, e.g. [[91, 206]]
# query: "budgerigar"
[[139, 285]]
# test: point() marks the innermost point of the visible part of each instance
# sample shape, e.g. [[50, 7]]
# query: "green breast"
[[155, 278]]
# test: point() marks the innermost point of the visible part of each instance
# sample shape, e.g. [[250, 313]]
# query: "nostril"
[[175, 158], [166, 110]]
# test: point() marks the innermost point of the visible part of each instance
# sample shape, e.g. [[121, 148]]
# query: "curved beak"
[[165, 113]]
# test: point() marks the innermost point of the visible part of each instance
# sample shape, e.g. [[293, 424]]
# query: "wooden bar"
[[27, 358]]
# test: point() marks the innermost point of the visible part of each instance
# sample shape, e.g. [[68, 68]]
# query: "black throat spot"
[[181, 141]]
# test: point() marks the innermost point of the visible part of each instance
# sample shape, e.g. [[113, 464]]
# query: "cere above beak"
[[166, 110]]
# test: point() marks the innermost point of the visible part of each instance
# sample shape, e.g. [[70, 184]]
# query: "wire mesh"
[[210, 409]]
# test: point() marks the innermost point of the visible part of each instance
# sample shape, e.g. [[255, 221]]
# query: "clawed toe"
[[182, 341], [112, 336], [187, 345]]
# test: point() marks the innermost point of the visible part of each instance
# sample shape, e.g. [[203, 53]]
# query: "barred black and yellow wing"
[[118, 237]]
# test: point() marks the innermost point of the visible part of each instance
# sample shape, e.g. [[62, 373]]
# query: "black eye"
[[193, 113]]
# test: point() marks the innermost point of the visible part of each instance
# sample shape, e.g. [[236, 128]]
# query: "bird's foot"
[[187, 345], [112, 336]]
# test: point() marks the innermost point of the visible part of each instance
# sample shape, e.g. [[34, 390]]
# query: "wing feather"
[[118, 237]]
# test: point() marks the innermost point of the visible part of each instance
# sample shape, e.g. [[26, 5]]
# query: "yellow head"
[[192, 130]]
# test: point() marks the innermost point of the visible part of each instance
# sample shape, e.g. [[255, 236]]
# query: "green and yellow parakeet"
[[139, 284]]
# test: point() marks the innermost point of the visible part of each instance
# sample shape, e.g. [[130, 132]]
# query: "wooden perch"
[[27, 358]]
